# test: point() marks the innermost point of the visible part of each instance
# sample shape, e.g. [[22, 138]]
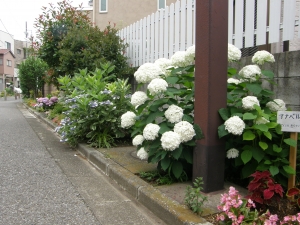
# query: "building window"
[[102, 6], [1, 62], [8, 63], [8, 45], [161, 4], [19, 51]]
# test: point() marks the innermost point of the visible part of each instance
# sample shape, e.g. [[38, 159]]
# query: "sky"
[[15, 13]]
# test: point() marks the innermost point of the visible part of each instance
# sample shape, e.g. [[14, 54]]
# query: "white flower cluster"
[[138, 98], [170, 141], [179, 60], [150, 131], [233, 81], [138, 140], [164, 64], [190, 55], [234, 54], [249, 102], [157, 86], [142, 154], [127, 119], [147, 72], [261, 120], [250, 72], [276, 105], [235, 125], [185, 130], [261, 57], [232, 153], [174, 114]]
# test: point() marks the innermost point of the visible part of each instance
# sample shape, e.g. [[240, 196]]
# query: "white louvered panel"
[[156, 35], [152, 38], [140, 43], [135, 41], [148, 46], [166, 33], [130, 42], [177, 25], [144, 40], [194, 27], [183, 25], [171, 33], [274, 32], [189, 23], [249, 23], [288, 20], [230, 21], [261, 29], [161, 34], [238, 28]]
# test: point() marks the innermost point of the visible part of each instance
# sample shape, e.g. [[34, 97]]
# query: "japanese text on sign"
[[289, 120]]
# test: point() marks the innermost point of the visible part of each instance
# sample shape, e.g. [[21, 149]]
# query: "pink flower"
[[221, 217]]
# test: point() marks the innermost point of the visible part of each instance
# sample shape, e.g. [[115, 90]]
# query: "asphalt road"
[[43, 181]]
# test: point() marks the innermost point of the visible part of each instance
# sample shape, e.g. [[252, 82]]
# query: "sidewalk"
[[166, 202]]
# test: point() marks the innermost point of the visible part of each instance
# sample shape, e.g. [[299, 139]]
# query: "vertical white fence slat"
[[166, 33], [274, 32], [182, 25], [261, 21], [189, 23], [288, 20], [148, 48], [194, 26], [238, 28], [249, 23], [156, 40], [161, 34], [144, 53], [177, 25], [230, 21], [140, 42], [152, 38], [171, 33]]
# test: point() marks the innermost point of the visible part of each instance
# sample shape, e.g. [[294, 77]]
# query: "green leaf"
[[164, 127], [172, 79], [177, 169], [153, 116], [274, 170], [224, 113], [249, 116], [177, 152], [258, 154], [268, 135], [272, 124], [268, 73], [290, 142], [276, 148], [261, 127], [221, 131], [199, 134], [246, 156], [248, 136], [263, 145], [289, 170], [165, 163], [188, 155], [254, 88], [187, 118]]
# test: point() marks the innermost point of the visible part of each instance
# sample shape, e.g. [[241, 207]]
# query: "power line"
[[6, 30]]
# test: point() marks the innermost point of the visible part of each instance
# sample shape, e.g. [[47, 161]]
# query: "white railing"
[[163, 33]]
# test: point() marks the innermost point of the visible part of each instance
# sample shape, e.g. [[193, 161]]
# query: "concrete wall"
[[287, 77], [124, 12]]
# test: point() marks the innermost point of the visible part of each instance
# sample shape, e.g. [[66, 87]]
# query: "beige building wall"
[[124, 12]]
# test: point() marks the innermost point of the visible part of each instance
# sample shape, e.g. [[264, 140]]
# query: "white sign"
[[289, 120]]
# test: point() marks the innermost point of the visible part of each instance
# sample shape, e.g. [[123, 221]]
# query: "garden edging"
[[162, 206]]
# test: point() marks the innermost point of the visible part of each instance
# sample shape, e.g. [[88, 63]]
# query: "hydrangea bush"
[[254, 140], [44, 104], [94, 107], [161, 123]]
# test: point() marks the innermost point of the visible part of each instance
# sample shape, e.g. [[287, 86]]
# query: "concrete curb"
[[162, 206]]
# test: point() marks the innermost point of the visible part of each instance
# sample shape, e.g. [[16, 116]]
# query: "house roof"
[[5, 51]]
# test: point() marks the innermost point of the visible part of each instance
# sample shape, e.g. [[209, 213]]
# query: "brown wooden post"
[[293, 160], [210, 90]]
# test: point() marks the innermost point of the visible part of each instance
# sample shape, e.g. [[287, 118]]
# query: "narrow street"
[[43, 181]]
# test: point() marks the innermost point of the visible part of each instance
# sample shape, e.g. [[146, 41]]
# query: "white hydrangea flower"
[[276, 105], [261, 120], [233, 81], [150, 131], [232, 153], [263, 56], [185, 130], [142, 154], [178, 59], [138, 140], [147, 72], [174, 114], [164, 64], [127, 119], [190, 55], [234, 54], [250, 72], [170, 141], [249, 102], [235, 125], [138, 98], [157, 86]]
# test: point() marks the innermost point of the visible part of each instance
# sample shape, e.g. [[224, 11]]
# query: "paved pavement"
[[43, 181]]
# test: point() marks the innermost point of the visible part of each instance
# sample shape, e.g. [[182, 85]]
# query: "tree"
[[31, 73]]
